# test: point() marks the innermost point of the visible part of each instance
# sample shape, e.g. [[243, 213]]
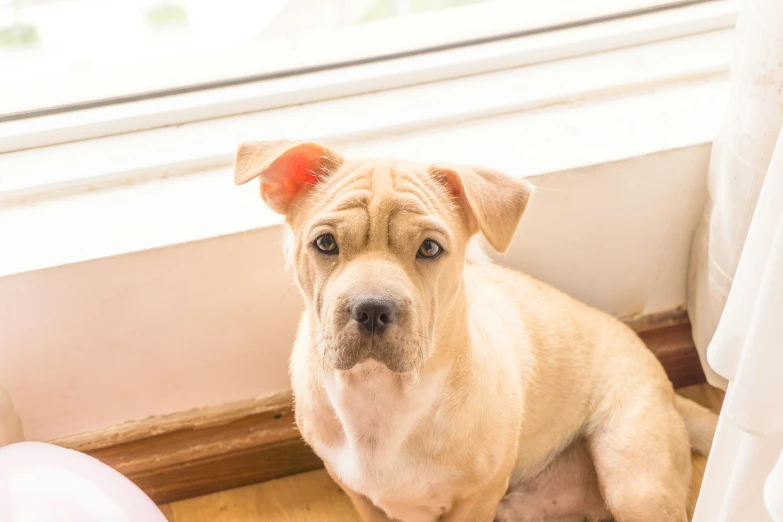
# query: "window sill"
[[159, 187]]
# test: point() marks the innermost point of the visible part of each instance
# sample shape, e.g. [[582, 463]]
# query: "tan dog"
[[439, 389]]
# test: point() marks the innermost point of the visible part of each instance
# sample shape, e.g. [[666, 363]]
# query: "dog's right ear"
[[286, 168]]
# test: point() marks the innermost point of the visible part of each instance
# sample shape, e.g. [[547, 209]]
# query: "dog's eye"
[[429, 250], [326, 244]]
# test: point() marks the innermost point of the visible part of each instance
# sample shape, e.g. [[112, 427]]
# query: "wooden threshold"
[[205, 450]]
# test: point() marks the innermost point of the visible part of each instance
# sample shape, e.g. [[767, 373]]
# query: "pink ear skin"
[[287, 178], [287, 169]]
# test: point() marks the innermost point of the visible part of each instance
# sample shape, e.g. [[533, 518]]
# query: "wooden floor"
[[313, 497], [309, 497]]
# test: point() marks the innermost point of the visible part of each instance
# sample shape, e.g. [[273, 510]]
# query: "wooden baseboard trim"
[[201, 451], [668, 335]]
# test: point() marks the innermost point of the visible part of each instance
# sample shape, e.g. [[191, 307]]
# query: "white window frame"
[[370, 77], [60, 166], [306, 37]]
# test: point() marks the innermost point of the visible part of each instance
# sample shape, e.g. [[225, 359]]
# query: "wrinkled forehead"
[[381, 191]]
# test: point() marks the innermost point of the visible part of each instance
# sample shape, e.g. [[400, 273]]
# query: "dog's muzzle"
[[374, 327]]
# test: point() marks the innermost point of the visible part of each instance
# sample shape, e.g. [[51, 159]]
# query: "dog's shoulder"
[[493, 278]]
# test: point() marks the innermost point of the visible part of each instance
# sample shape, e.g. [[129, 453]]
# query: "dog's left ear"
[[492, 202], [287, 169]]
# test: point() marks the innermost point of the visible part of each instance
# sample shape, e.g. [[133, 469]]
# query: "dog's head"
[[379, 246]]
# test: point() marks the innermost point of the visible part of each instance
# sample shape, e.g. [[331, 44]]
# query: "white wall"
[[618, 235], [94, 344]]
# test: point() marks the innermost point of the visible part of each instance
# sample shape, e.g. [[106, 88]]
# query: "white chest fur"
[[379, 411]]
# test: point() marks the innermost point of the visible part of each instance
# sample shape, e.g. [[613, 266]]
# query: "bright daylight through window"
[[60, 55]]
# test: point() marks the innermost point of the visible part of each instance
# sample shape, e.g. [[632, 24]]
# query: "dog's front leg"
[[368, 511], [479, 506]]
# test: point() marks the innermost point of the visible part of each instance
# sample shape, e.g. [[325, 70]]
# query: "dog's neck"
[[375, 405]]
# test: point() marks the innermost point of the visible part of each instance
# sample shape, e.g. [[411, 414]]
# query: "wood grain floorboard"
[[313, 497], [307, 497]]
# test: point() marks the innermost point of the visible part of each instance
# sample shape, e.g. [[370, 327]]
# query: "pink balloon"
[[45, 483]]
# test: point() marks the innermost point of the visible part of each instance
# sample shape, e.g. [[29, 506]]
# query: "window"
[[61, 55]]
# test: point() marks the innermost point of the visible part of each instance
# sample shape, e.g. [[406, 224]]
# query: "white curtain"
[[736, 282]]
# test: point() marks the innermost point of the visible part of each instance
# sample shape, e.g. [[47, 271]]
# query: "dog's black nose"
[[375, 313]]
